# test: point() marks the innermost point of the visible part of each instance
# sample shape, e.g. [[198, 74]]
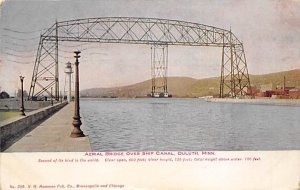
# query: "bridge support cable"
[[159, 33], [159, 70]]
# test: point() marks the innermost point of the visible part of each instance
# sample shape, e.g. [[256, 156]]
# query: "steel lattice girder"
[[143, 31], [139, 31]]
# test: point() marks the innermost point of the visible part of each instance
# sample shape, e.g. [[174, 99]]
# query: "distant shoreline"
[[280, 102], [276, 102]]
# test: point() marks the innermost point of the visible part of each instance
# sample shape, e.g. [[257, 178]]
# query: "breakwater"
[[13, 128]]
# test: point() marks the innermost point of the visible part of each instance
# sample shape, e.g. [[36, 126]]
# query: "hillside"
[[292, 79], [210, 86], [178, 86], [189, 87]]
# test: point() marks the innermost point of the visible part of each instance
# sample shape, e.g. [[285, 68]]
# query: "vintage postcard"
[[150, 94]]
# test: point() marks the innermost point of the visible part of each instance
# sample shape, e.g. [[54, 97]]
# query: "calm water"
[[189, 124]]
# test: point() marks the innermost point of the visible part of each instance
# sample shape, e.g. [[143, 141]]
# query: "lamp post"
[[22, 97], [77, 132], [51, 97], [61, 97]]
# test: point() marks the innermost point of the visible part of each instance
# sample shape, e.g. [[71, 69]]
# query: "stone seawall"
[[12, 128], [13, 104]]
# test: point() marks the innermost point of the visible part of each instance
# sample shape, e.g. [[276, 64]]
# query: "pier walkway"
[[52, 135]]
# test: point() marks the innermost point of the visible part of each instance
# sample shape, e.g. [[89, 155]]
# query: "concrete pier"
[[52, 135], [14, 128]]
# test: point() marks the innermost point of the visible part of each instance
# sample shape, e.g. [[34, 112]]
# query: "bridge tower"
[[159, 70], [235, 80], [46, 69]]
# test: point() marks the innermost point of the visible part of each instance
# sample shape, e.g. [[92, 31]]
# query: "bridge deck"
[[52, 135]]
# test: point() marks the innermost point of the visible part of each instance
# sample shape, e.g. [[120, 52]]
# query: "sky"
[[269, 29]]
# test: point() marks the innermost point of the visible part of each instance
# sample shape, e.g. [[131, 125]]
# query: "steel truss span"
[[234, 80]]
